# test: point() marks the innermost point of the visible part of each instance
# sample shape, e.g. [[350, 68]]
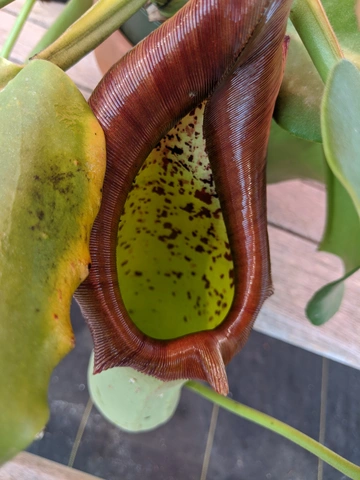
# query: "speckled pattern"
[[173, 253]]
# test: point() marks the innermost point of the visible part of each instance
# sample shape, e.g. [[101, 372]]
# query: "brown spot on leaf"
[[203, 196], [206, 280], [159, 190]]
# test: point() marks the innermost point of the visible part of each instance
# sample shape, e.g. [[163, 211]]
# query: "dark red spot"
[[203, 196], [204, 212], [227, 256], [165, 163], [217, 213], [189, 207], [211, 231], [159, 190], [177, 274]]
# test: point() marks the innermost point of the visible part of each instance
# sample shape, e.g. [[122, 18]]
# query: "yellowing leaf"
[[51, 171]]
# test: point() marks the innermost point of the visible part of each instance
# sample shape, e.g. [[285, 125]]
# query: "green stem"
[[312, 446], [89, 31], [72, 11], [15, 31], [3, 3], [313, 26]]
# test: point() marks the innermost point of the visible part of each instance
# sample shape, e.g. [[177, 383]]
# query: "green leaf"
[[342, 232], [326, 301], [91, 29], [3, 3], [343, 20], [71, 12], [292, 157], [298, 105], [340, 122], [8, 70], [51, 172], [341, 238]]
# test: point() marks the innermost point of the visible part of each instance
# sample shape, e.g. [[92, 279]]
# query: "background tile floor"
[[279, 379]]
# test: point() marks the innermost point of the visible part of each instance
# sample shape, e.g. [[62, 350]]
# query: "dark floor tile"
[[68, 396], [172, 452], [270, 375], [343, 416], [282, 381], [59, 433], [69, 379]]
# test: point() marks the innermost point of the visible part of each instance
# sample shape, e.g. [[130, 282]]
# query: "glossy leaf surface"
[[342, 238], [326, 301], [51, 171], [341, 127]]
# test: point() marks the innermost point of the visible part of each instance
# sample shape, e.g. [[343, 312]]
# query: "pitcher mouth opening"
[[173, 257]]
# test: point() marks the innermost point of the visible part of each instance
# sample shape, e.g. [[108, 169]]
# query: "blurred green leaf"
[[342, 232], [344, 22], [298, 105], [292, 157], [342, 238], [326, 301], [8, 70], [340, 122]]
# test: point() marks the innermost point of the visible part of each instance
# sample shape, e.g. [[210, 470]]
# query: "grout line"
[[314, 184], [323, 402], [292, 232], [209, 442], [80, 432], [14, 13]]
